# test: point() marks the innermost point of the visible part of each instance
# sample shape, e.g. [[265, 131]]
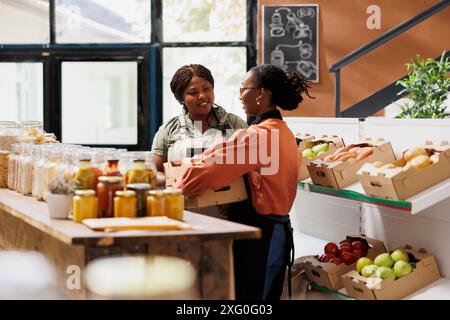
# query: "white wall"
[[331, 218]]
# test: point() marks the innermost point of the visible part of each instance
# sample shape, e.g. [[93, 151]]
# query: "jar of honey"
[[141, 190], [137, 174], [156, 203], [174, 203], [85, 174], [125, 204], [106, 191], [84, 205]]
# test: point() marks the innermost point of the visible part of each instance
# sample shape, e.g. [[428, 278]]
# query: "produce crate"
[[329, 275], [401, 183], [233, 192], [334, 142], [425, 272], [342, 173]]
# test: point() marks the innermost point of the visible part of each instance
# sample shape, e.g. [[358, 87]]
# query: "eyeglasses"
[[242, 89]]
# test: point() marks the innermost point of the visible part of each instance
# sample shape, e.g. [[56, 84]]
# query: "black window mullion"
[[52, 22]]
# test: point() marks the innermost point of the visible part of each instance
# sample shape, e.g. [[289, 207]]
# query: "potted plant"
[[59, 197], [427, 85]]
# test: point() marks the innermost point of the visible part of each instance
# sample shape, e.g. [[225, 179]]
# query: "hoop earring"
[[258, 102]]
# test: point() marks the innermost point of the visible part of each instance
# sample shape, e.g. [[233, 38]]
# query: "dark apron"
[[251, 256]]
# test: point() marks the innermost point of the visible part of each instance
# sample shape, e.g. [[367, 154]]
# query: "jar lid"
[[155, 192], [26, 139], [173, 191], [139, 186], [85, 192], [108, 179], [127, 193]]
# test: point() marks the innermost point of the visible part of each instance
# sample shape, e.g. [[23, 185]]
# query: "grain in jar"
[[4, 169], [12, 160]]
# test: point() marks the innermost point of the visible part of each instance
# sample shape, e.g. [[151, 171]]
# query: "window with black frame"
[[97, 71]]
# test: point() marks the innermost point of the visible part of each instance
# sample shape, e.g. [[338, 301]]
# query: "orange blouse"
[[266, 152]]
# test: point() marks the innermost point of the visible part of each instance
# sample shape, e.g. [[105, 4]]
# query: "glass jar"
[[33, 129], [84, 205], [174, 203], [156, 203], [150, 167], [125, 204], [137, 174], [12, 160], [25, 167], [106, 191], [112, 164], [141, 190], [4, 169], [48, 170], [84, 174], [9, 130]]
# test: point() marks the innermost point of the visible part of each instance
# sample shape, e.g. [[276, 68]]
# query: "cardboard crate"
[[395, 183], [340, 174], [334, 142], [303, 140], [233, 192], [330, 275], [426, 272]]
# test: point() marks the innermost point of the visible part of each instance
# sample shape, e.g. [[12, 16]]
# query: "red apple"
[[347, 257], [358, 254], [345, 242], [358, 245], [327, 257], [331, 247], [344, 249], [337, 261]]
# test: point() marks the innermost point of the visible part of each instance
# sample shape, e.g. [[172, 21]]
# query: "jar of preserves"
[[125, 204], [156, 203], [174, 203], [84, 205], [141, 190], [85, 174], [137, 174], [106, 191], [112, 167]]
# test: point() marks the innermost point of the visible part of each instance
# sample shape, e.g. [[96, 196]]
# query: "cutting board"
[[145, 223]]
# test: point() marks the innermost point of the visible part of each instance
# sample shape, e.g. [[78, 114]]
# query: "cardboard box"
[[303, 140], [399, 184], [334, 142], [426, 272], [340, 174], [330, 275], [234, 192]]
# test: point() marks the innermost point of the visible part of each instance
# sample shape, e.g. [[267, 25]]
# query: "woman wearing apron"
[[259, 265], [201, 123]]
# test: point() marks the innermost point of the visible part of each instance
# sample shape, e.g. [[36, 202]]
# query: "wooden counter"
[[25, 225]]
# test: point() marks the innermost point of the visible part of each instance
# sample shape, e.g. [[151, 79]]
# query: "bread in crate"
[[419, 168], [339, 169]]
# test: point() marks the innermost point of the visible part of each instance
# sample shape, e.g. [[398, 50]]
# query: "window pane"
[[21, 91], [228, 67], [24, 21], [204, 20], [102, 21], [99, 102]]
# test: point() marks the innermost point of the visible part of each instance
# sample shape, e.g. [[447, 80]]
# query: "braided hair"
[[183, 76], [286, 87]]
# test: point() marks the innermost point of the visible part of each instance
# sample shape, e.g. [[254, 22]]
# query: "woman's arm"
[[159, 161]]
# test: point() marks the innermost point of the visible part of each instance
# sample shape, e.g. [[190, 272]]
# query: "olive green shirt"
[[169, 132]]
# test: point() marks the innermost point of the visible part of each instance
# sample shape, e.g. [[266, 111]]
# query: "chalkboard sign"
[[290, 39]]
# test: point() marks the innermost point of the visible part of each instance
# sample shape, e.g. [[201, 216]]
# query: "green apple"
[[385, 273], [399, 254], [321, 152], [402, 268], [308, 153], [369, 270], [320, 147], [362, 262], [384, 260]]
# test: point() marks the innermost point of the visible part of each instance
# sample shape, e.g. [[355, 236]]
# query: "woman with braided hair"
[[259, 265], [201, 124]]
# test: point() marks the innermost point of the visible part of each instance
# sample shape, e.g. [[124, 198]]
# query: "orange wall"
[[342, 29]]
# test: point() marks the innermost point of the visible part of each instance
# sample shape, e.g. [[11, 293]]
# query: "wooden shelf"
[[413, 205]]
